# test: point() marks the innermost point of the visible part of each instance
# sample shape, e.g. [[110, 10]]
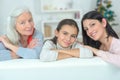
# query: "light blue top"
[[25, 53]]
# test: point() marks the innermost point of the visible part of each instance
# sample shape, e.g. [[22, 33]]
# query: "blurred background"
[[47, 13]]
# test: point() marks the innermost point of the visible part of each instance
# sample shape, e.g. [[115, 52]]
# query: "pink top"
[[113, 55]]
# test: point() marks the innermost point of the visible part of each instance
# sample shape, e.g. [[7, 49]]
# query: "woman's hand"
[[14, 56], [8, 44], [33, 43]]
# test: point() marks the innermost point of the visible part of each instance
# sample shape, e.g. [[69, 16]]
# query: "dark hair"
[[97, 16], [65, 22]]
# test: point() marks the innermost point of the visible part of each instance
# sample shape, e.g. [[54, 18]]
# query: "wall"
[[84, 5], [5, 8], [116, 9]]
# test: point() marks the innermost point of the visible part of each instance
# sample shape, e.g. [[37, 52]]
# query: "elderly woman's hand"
[[33, 43]]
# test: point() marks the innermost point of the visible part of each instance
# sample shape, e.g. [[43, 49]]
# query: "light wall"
[[84, 5], [116, 9], [7, 5]]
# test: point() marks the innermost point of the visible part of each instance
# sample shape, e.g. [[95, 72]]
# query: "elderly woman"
[[22, 40]]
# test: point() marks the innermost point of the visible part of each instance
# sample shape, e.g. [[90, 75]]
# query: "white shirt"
[[49, 55]]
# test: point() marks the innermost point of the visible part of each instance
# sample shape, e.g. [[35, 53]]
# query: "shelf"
[[56, 5], [56, 21], [59, 11], [52, 14]]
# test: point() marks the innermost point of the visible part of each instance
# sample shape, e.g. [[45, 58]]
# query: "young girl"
[[64, 44], [22, 39], [100, 37]]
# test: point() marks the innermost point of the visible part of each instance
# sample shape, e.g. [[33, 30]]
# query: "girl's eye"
[[73, 36], [65, 33]]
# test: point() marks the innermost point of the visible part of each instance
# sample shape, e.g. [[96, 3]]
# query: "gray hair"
[[12, 34]]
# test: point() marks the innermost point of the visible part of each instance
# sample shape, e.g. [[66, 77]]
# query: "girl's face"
[[66, 36], [25, 24], [94, 28]]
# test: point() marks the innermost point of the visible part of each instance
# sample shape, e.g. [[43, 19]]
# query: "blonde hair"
[[12, 34]]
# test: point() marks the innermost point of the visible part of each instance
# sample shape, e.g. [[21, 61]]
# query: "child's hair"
[[70, 22]]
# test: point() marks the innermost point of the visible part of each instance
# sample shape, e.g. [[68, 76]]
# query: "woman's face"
[[94, 28], [66, 36], [25, 24]]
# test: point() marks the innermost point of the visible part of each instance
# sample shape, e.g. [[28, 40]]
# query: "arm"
[[107, 56], [32, 52], [94, 50], [4, 53], [48, 54], [83, 51], [68, 53], [27, 53], [78, 51], [63, 56]]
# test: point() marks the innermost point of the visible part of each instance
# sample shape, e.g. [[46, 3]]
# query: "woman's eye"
[[30, 20], [85, 29], [22, 23], [92, 24]]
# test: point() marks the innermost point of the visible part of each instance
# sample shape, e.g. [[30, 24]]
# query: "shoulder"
[[49, 43], [115, 44], [115, 41], [37, 34], [77, 45]]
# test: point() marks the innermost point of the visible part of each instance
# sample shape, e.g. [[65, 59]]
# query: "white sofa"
[[67, 69]]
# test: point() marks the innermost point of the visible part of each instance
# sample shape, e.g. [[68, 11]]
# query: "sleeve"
[[84, 52], [113, 55], [4, 53], [109, 57], [47, 54], [34, 53]]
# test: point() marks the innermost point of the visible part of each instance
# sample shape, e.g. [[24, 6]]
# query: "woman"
[[22, 39], [64, 44], [100, 37]]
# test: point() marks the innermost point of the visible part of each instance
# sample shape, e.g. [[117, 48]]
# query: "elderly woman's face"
[[25, 24]]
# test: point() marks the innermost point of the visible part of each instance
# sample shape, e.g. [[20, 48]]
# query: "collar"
[[60, 47]]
